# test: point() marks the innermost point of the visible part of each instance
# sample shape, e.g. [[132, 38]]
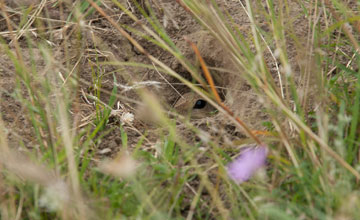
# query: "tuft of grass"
[[312, 100]]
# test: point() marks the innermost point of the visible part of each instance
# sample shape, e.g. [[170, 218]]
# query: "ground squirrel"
[[194, 105]]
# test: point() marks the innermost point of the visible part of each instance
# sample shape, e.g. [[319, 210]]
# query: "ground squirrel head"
[[194, 105]]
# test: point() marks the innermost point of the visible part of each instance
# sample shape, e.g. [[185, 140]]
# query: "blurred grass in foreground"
[[313, 170]]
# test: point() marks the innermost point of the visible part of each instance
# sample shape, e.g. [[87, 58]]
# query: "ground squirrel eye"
[[199, 104]]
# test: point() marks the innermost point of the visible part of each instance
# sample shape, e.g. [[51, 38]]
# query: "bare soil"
[[101, 42]]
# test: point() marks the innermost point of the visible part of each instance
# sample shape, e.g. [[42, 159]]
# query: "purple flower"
[[244, 166]]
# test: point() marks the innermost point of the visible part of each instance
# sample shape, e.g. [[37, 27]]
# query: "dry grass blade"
[[269, 91], [67, 141], [217, 96], [261, 75]]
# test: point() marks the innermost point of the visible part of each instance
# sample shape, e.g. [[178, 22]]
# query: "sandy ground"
[[101, 42]]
